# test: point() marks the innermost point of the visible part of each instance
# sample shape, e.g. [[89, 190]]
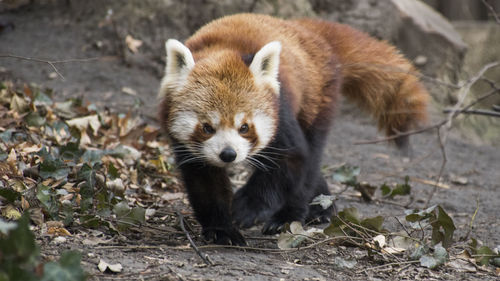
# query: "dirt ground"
[[156, 253]]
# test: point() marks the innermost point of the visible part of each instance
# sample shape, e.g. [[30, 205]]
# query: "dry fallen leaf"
[[11, 213], [132, 43], [103, 266], [58, 231], [82, 123], [129, 91], [12, 161]]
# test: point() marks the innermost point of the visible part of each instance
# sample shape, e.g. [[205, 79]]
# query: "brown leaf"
[[132, 44], [19, 104], [58, 231]]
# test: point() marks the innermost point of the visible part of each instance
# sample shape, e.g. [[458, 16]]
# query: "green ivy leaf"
[[93, 156], [374, 223], [347, 175], [112, 171], [87, 174], [385, 189], [19, 251], [127, 216], [51, 166], [399, 189], [485, 254], [339, 227], [350, 215], [48, 199], [10, 194], [42, 99], [67, 268], [34, 119], [71, 152], [439, 257], [442, 228]]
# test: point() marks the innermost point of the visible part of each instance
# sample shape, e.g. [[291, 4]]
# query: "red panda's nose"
[[227, 155]]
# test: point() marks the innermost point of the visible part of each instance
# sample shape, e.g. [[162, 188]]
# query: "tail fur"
[[377, 78]]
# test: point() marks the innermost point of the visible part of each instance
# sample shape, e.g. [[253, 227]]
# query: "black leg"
[[276, 195], [316, 213], [210, 195]]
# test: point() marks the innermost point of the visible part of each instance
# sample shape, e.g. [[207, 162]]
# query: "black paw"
[[248, 211], [318, 215], [224, 236], [273, 227], [283, 216]]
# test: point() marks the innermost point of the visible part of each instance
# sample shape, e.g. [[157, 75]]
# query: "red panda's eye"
[[207, 129], [244, 128]]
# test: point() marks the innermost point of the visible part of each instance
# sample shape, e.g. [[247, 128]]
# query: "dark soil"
[[155, 253]]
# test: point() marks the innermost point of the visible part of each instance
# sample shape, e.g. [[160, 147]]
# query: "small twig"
[[193, 245], [403, 226], [388, 264], [401, 134], [492, 10], [49, 62], [472, 219], [441, 169], [476, 112]]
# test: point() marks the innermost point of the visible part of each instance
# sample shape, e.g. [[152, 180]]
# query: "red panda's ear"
[[179, 62], [265, 65], [179, 58]]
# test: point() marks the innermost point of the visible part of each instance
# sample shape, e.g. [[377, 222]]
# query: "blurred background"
[[448, 40]]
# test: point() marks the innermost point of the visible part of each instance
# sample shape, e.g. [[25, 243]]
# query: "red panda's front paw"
[[224, 236], [248, 212], [285, 215]]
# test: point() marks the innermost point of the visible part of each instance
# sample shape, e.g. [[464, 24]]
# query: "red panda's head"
[[218, 107]]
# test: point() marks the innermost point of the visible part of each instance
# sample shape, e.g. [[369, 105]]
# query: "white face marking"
[[222, 139], [214, 117], [264, 127], [238, 118], [183, 125]]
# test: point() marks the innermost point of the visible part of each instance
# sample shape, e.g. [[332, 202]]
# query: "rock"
[[425, 32]]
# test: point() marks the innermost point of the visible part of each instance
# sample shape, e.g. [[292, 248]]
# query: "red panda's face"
[[223, 140], [220, 109]]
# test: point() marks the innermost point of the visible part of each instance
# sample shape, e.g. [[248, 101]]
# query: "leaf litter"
[[94, 175]]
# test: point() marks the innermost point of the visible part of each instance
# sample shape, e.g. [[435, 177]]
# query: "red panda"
[[262, 90]]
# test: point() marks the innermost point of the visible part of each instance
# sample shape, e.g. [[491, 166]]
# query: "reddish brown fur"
[[376, 77], [374, 74]]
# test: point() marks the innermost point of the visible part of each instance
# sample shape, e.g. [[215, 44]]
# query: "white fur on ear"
[[179, 62], [265, 65]]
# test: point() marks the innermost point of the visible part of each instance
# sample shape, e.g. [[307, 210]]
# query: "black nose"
[[227, 155]]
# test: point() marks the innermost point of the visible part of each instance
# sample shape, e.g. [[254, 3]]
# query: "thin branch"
[[469, 230], [441, 170], [193, 245], [49, 62], [388, 264], [476, 112], [492, 10]]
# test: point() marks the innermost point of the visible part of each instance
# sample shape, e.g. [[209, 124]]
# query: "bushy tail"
[[377, 78]]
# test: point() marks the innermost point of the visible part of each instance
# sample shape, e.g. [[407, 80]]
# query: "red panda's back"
[[306, 62]]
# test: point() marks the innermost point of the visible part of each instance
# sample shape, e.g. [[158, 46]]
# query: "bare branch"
[[492, 10], [476, 112], [49, 62], [193, 245]]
